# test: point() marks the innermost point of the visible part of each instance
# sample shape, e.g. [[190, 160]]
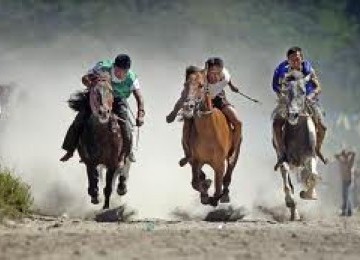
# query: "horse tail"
[[79, 100]]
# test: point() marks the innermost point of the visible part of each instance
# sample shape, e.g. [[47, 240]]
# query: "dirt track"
[[56, 238]]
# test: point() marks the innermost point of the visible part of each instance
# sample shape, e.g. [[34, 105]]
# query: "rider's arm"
[[351, 158], [276, 81], [233, 87], [180, 102], [227, 78], [140, 103]]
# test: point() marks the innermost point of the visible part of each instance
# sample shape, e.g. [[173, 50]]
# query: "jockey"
[[295, 62], [192, 72], [218, 78], [124, 83]]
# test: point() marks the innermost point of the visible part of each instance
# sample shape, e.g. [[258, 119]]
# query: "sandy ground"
[[42, 237]]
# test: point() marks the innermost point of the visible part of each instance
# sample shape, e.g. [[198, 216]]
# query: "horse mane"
[[79, 100]]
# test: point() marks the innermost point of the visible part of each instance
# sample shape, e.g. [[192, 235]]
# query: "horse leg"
[[288, 190], [219, 177], [123, 177], [108, 187], [225, 198], [310, 179], [93, 179], [185, 141], [199, 182]]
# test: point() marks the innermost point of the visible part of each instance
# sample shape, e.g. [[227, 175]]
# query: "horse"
[[210, 143], [299, 135], [101, 141]]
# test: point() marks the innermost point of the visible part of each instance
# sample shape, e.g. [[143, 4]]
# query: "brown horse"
[[101, 142], [210, 143]]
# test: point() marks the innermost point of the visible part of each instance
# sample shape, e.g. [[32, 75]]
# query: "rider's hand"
[[140, 117], [170, 118], [235, 89]]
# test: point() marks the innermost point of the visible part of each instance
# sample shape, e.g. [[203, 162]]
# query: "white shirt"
[[217, 88]]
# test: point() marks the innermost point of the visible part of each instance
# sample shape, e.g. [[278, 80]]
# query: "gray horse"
[[299, 140], [101, 142]]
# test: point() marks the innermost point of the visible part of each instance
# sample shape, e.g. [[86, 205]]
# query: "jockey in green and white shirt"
[[124, 83], [122, 87]]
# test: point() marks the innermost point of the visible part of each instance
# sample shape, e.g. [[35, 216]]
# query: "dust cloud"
[[48, 72]]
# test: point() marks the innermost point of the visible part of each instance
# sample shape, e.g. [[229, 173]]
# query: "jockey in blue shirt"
[[295, 61]]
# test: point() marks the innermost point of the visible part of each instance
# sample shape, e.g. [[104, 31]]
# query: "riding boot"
[[72, 136], [278, 135], [185, 142]]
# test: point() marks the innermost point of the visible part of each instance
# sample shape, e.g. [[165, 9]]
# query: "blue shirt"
[[284, 68]]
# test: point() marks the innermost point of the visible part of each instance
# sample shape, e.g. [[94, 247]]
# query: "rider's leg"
[[232, 116], [320, 129], [186, 142], [121, 110], [71, 139]]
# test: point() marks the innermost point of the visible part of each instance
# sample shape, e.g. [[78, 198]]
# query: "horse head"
[[295, 93], [101, 98], [195, 101]]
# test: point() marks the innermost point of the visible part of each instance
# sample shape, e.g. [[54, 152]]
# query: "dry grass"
[[15, 196]]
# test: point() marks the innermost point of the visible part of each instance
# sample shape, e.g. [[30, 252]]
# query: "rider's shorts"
[[220, 101]]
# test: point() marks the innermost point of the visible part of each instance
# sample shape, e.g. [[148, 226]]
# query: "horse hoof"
[[204, 199], [302, 194], [225, 198], [305, 196], [95, 200], [294, 215], [121, 190], [213, 202]]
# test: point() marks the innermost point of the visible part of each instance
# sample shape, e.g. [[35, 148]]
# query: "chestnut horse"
[[210, 143]]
